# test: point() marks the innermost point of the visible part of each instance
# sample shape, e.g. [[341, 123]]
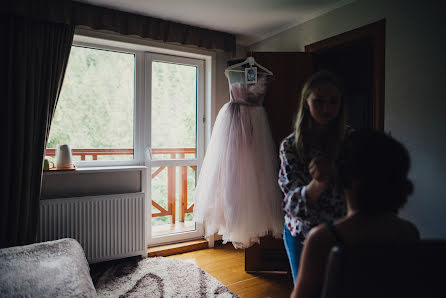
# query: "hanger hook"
[[251, 61]]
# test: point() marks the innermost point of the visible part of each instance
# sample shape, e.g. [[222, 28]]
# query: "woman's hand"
[[321, 168]]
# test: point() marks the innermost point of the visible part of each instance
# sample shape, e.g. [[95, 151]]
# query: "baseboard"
[[176, 248]]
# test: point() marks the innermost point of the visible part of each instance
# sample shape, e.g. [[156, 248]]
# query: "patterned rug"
[[155, 277]]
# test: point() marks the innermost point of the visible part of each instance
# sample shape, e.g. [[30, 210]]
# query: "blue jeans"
[[293, 249]]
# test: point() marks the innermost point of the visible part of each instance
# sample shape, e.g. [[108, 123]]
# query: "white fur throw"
[[48, 269]]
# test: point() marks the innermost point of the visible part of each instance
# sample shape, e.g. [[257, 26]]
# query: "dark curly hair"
[[381, 165]]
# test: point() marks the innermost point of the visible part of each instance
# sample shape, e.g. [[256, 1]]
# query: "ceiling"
[[250, 20]]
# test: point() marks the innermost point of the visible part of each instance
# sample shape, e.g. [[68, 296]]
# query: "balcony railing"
[[171, 177], [93, 152]]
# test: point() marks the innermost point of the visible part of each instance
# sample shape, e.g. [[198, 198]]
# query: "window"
[[174, 110], [123, 104], [95, 112]]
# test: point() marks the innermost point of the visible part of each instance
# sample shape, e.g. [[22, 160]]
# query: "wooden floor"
[[227, 265]]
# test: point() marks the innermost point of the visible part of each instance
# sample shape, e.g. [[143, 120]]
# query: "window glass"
[[95, 111], [174, 111]]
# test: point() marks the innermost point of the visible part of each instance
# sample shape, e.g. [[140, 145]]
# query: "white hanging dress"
[[237, 193]]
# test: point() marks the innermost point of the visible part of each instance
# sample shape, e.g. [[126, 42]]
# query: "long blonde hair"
[[304, 120]]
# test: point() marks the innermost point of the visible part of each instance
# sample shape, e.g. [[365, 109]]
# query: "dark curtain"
[[100, 18], [107, 19], [33, 58]]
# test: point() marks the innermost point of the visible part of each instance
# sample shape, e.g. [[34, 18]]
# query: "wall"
[[415, 77], [66, 184]]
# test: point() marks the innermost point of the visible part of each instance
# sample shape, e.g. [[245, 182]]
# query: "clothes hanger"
[[249, 60]]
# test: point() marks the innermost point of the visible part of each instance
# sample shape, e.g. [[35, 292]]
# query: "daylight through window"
[[95, 111]]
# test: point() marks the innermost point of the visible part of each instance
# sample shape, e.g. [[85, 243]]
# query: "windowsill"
[[85, 170]]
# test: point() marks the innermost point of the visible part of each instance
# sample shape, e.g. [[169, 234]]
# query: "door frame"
[[150, 57], [375, 34]]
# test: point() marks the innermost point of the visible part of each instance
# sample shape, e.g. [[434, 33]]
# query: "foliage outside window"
[[96, 105]]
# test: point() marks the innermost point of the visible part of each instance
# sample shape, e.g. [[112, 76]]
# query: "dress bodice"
[[247, 94]]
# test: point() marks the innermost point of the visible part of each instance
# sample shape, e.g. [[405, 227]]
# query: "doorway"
[[175, 134]]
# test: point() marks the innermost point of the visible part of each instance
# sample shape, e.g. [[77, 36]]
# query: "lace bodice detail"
[[247, 94]]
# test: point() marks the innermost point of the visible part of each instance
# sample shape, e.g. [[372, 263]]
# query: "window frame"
[[142, 119], [197, 161], [208, 93], [154, 57], [138, 105]]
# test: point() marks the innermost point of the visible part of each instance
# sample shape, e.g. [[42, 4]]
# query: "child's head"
[[320, 104], [375, 166], [321, 97]]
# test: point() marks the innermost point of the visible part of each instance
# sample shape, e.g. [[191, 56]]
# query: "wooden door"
[[358, 57], [290, 70]]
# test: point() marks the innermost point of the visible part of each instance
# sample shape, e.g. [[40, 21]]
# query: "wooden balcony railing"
[[175, 153], [93, 152]]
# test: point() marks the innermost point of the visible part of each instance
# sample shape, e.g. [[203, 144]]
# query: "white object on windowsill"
[[64, 157]]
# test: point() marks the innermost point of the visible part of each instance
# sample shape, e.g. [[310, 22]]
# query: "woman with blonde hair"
[[308, 157]]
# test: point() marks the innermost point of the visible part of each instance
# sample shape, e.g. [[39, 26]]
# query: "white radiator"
[[108, 227]]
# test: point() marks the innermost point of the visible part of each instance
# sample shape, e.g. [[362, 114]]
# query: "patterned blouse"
[[301, 216]]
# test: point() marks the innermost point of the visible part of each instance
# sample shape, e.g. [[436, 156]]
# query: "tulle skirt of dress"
[[237, 195]]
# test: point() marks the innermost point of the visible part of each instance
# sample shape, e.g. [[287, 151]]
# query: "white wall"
[[415, 80], [80, 183]]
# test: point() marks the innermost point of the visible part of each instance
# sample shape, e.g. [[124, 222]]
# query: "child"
[[307, 163]]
